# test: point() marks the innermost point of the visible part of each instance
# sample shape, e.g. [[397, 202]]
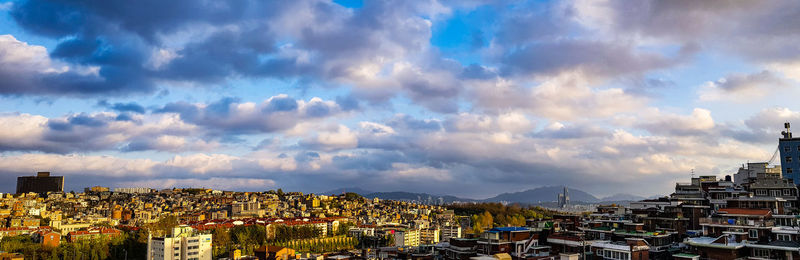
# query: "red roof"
[[738, 211]]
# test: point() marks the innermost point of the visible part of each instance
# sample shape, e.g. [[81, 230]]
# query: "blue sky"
[[470, 98]]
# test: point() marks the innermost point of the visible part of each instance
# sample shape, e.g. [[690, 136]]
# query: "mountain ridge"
[[529, 196]]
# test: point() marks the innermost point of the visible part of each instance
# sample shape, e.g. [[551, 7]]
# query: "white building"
[[246, 209], [409, 237], [751, 171], [358, 232], [429, 236], [183, 244], [133, 190], [449, 232]]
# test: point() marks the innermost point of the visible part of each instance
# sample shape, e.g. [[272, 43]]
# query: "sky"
[[468, 98]]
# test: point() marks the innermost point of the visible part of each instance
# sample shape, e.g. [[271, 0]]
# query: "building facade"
[[42, 183], [789, 148], [183, 244]]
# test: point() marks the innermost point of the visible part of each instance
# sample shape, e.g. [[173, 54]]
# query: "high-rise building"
[[563, 198], [789, 148], [407, 237], [449, 232], [41, 183], [185, 243]]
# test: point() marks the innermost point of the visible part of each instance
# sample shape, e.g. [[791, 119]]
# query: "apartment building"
[[185, 243]]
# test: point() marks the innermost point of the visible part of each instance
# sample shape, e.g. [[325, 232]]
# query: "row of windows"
[[784, 237], [759, 252], [776, 193], [789, 149], [193, 247], [608, 254]]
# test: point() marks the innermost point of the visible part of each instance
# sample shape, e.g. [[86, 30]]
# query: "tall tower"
[[790, 155], [563, 198]]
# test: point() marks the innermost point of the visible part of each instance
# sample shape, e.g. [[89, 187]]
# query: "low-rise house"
[[93, 233]]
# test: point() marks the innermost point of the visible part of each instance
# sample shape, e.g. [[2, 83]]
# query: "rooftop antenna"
[[692, 172], [788, 132]]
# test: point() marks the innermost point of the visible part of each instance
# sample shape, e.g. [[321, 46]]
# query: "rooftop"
[[508, 229]]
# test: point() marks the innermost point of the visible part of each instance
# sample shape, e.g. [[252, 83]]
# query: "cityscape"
[[399, 129], [750, 214]]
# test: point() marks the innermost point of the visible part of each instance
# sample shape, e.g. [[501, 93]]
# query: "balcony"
[[724, 222]]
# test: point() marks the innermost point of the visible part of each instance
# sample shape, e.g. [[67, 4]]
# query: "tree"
[[221, 241]]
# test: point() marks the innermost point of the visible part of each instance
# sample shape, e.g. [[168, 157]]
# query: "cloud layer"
[[469, 98]]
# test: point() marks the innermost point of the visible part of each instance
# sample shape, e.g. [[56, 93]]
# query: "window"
[[787, 204], [787, 192], [761, 192], [758, 252], [753, 233], [775, 193], [784, 237], [788, 159], [786, 149], [788, 171]]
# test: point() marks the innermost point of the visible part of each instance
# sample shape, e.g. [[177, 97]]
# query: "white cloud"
[[237, 184], [20, 57]]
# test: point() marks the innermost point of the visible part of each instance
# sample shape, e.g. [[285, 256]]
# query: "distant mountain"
[[358, 191], [543, 194], [409, 196], [532, 196], [622, 197]]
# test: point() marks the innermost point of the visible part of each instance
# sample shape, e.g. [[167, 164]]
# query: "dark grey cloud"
[[738, 27], [227, 116], [581, 131], [596, 58], [118, 38], [407, 122], [348, 102], [133, 46], [739, 82], [132, 107], [476, 71]]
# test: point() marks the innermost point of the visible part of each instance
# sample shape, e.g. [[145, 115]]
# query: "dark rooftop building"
[[41, 183]]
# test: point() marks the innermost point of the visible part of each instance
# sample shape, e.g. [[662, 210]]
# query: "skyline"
[[464, 98]]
